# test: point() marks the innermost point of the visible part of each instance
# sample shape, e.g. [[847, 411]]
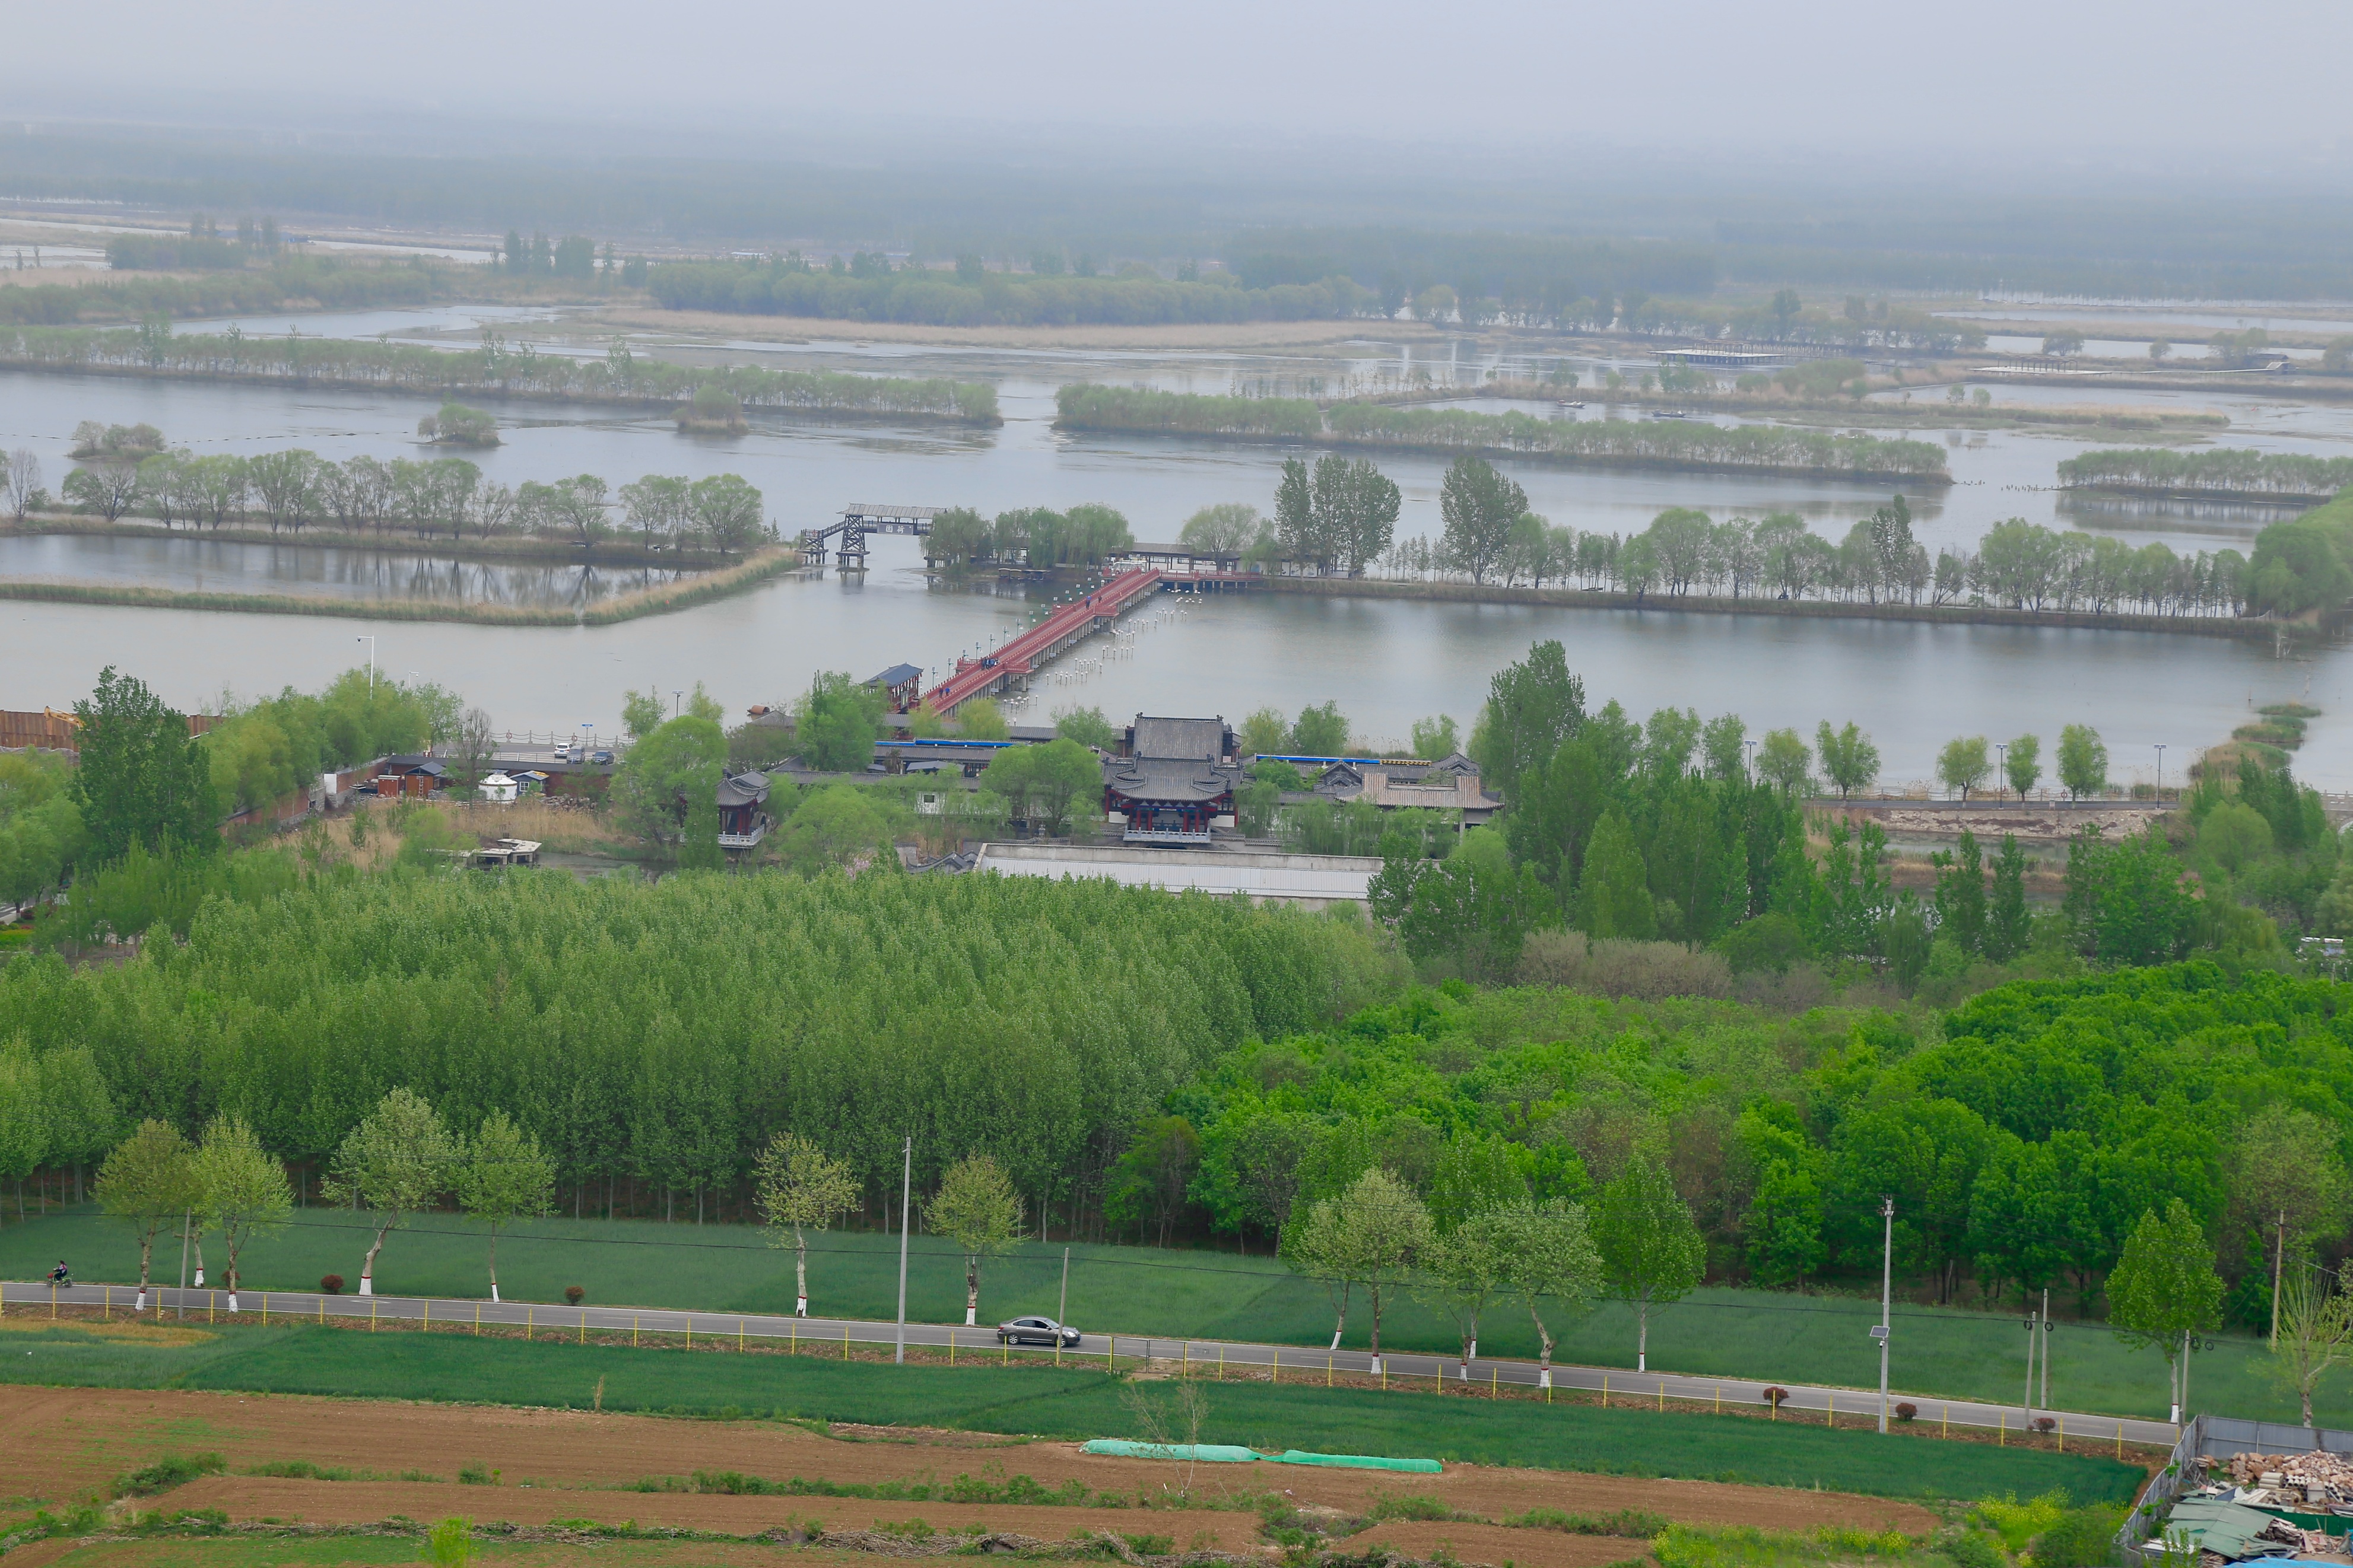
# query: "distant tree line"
[[791, 286], [296, 489], [1680, 444], [496, 368], [2235, 471], [334, 282], [2017, 564]]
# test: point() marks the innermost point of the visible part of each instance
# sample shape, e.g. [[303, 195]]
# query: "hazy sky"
[[2074, 80]]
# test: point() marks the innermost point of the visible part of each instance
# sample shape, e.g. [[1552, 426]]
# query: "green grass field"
[[1144, 1290], [1045, 1401]]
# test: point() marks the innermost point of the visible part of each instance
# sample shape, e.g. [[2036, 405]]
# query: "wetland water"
[[1386, 664]]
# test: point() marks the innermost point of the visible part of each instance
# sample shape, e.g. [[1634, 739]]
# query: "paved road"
[[1286, 1363]]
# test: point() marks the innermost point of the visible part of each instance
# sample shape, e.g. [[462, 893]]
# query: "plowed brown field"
[[554, 1465]]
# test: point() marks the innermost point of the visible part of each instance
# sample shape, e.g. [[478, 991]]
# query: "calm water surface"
[[1386, 664]]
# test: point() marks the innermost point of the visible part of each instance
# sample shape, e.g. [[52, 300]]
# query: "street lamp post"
[[2161, 772], [371, 642], [2001, 764], [1886, 1297]]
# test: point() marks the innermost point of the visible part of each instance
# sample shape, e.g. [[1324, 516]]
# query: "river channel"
[[1386, 663]]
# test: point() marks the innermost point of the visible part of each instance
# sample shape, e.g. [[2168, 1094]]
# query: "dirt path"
[[568, 1463]]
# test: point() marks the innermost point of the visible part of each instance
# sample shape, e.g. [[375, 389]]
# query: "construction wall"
[[55, 732]]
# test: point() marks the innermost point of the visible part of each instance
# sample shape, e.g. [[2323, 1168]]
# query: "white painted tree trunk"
[[232, 1301]]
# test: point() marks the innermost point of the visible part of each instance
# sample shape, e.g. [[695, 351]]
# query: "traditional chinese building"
[[1174, 782]]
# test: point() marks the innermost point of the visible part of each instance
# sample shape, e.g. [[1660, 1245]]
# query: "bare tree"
[[24, 481], [477, 743]]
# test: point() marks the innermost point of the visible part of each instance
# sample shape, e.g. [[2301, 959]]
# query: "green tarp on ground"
[[1228, 1454], [1359, 1462], [2227, 1528], [1215, 1453]]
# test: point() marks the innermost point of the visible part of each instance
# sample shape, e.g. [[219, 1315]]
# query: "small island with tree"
[[458, 425], [715, 411]]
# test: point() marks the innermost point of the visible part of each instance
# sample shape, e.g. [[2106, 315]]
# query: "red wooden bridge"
[[992, 672]]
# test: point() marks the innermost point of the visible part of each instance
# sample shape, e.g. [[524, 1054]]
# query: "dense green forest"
[[497, 369], [2030, 1078], [1745, 448]]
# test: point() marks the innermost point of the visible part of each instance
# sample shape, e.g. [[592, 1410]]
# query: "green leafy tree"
[[1436, 738], [79, 1119], [1063, 775], [1480, 506], [1784, 762], [1087, 726], [2288, 1183], [500, 1175], [1531, 707], [2083, 761], [2008, 925], [1227, 528], [1295, 512], [837, 724], [1961, 893], [1549, 1256], [1464, 1271], [977, 1209], [1963, 765], [665, 776], [1724, 747], [245, 1190], [24, 1117], [2125, 903], [2164, 1290], [1849, 759], [1613, 896], [642, 713], [1320, 731], [449, 1544], [1152, 1180], [1265, 732], [833, 828], [399, 1159], [150, 1180], [2023, 764], [1652, 1251], [143, 778], [1369, 1235], [982, 720], [799, 1186], [727, 512], [2312, 1333]]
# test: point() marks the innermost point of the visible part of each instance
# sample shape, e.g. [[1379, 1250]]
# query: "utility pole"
[[371, 642], [2031, 1338], [1062, 1310], [187, 1223], [1886, 1297], [2046, 1347], [2279, 1255], [906, 1192]]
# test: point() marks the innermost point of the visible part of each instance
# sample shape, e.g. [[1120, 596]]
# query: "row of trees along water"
[[129, 470], [496, 368], [1682, 444], [656, 1039], [2226, 472], [867, 288], [303, 281], [2017, 564]]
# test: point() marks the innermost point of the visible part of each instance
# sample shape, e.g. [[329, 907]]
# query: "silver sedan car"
[[1037, 1331]]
